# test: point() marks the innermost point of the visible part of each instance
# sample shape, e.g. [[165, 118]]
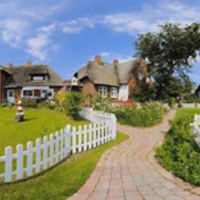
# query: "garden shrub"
[[73, 103], [59, 101], [47, 104], [179, 152], [29, 103], [145, 115], [172, 102]]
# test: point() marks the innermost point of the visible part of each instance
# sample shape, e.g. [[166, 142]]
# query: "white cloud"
[[48, 29], [105, 54], [110, 56], [32, 10], [150, 17], [13, 31], [20, 19], [75, 26], [70, 30], [38, 46]]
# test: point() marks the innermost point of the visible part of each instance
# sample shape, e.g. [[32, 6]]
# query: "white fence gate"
[[49, 151]]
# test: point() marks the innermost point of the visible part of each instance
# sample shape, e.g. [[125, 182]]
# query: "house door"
[[10, 96]]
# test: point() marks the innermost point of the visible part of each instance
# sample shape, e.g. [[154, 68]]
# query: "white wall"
[[123, 92]]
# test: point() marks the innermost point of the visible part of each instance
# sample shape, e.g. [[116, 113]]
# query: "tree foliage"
[[170, 54]]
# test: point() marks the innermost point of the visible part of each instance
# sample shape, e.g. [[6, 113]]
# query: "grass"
[[188, 111], [37, 123], [63, 180]]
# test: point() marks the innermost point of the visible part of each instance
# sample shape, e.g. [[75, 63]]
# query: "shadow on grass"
[[29, 119]]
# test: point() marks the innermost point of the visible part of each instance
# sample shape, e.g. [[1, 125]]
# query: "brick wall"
[[88, 87], [3, 92]]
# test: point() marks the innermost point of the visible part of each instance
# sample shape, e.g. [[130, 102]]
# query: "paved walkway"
[[129, 171]]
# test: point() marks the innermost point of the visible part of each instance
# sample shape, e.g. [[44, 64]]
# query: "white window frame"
[[103, 91], [113, 92]]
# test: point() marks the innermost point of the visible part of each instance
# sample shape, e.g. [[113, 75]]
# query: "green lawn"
[[37, 123], [63, 180], [190, 111]]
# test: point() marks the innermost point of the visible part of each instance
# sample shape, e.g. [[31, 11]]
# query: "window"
[[113, 92], [140, 75], [27, 93], [37, 78], [103, 91], [50, 93], [10, 93]]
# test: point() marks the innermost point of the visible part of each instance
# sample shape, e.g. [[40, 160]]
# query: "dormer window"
[[38, 78]]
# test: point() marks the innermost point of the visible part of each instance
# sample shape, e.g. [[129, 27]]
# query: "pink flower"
[[128, 102]]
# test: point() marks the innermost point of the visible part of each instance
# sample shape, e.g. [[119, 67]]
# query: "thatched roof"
[[126, 69], [4, 69], [21, 76], [108, 74], [98, 73]]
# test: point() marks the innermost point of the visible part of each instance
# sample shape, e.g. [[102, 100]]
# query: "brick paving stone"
[[85, 190], [163, 192], [144, 190], [196, 190], [169, 185], [129, 187], [78, 197], [103, 187], [152, 197], [133, 196], [173, 198], [115, 186], [181, 192], [116, 192], [98, 196], [115, 198], [192, 197]]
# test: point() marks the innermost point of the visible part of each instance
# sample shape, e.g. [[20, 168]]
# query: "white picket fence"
[[52, 149]]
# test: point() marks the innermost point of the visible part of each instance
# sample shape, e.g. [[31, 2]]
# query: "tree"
[[170, 54]]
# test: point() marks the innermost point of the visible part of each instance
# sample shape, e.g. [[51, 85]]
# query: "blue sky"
[[65, 34]]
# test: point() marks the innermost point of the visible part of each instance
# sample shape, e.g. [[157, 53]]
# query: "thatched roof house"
[[30, 81], [116, 80]]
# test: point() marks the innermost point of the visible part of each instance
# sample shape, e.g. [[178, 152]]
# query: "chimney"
[[9, 65], [97, 58], [29, 64], [115, 62]]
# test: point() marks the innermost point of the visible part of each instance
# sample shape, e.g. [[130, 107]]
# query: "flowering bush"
[[143, 115]]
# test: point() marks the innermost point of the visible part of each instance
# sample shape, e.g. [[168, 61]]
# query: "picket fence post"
[[38, 148], [8, 164], [68, 140], [45, 147], [19, 161], [29, 158]]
